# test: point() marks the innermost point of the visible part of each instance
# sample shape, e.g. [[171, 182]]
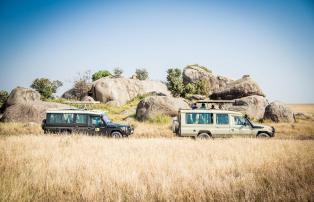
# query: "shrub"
[[81, 88], [202, 87], [3, 98], [100, 74], [175, 82], [46, 87], [117, 72], [141, 74], [189, 89]]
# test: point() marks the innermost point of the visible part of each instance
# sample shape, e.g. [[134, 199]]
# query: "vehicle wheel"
[[116, 134], [263, 135], [203, 136]]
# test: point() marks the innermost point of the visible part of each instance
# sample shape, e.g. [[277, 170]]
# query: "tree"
[[189, 89], [117, 72], [175, 82], [202, 87], [46, 87], [100, 74], [82, 84], [3, 97], [141, 74]]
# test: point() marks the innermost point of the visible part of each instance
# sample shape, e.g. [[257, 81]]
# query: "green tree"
[[45, 87], [3, 97], [117, 72], [141, 74], [202, 87], [175, 82], [100, 74], [189, 89]]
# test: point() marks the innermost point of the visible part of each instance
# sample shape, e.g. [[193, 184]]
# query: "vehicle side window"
[[199, 118], [96, 121], [81, 119], [222, 119], [59, 118], [239, 120]]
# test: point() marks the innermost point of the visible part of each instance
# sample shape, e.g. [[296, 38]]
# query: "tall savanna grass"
[[59, 168]]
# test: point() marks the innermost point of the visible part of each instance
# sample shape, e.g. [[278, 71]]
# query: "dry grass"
[[20, 128], [58, 168], [302, 108]]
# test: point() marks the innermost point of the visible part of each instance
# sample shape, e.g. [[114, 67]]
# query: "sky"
[[272, 41]]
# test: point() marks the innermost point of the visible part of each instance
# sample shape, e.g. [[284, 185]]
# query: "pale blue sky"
[[273, 41]]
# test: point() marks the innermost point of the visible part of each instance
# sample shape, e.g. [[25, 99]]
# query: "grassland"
[[58, 168], [153, 165]]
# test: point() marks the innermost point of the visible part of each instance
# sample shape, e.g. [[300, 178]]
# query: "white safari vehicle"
[[212, 123]]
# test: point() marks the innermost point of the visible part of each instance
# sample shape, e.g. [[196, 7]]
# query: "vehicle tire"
[[116, 134], [203, 136], [263, 135]]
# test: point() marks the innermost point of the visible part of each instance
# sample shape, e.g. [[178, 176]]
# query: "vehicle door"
[[222, 125], [81, 123], [97, 125], [241, 127], [196, 122]]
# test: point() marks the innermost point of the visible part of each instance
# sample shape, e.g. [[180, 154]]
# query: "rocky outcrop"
[[195, 73], [153, 106], [279, 112], [253, 106], [22, 95], [118, 91], [24, 105], [237, 89]]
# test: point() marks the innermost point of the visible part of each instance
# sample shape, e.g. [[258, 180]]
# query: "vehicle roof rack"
[[215, 101]]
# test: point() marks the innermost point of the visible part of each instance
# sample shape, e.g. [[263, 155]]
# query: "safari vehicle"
[[83, 121], [206, 123]]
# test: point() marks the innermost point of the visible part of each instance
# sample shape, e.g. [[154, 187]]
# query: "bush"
[[46, 87], [3, 98], [117, 72], [81, 88], [202, 87], [175, 82], [189, 89], [100, 74], [141, 74]]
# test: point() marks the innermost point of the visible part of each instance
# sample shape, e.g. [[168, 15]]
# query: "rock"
[[24, 105], [30, 111], [279, 112], [22, 95], [88, 99], [119, 91], [253, 106], [198, 97], [152, 106], [240, 88], [195, 73]]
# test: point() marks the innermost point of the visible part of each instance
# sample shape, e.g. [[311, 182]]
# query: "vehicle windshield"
[[106, 119]]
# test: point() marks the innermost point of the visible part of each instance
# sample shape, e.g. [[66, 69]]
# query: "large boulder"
[[195, 73], [279, 112], [118, 91], [253, 106], [153, 106], [22, 95], [237, 89], [24, 105]]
